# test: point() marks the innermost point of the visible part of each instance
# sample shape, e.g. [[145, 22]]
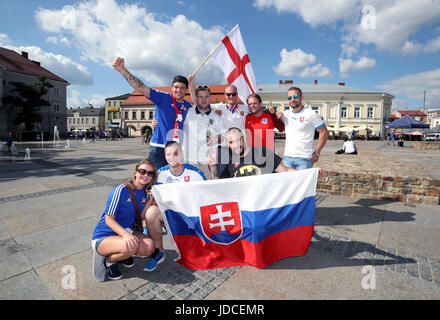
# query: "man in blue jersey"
[[175, 171], [170, 112]]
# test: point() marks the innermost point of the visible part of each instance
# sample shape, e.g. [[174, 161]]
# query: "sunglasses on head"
[[202, 87], [146, 172], [292, 97], [233, 94]]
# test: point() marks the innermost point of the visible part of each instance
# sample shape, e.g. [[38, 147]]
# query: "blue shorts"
[[157, 156], [297, 163]]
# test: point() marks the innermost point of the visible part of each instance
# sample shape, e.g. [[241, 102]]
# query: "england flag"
[[254, 220], [232, 57]]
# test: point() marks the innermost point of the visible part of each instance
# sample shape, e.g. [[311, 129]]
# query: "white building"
[[342, 108]]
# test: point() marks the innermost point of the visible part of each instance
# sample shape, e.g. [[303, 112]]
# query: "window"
[[142, 115], [82, 120], [93, 120], [357, 112], [126, 115], [343, 112], [133, 115], [73, 121], [87, 120], [370, 112], [70, 120], [316, 109], [151, 115], [56, 91]]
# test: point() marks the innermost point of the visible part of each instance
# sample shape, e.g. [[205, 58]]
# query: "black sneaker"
[[128, 263], [113, 272]]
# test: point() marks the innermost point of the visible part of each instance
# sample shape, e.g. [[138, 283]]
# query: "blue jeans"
[[157, 156], [298, 163]]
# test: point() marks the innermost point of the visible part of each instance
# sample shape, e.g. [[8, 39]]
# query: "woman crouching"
[[115, 238]]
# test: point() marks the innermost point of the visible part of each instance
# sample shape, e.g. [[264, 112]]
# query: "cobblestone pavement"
[[19, 252]]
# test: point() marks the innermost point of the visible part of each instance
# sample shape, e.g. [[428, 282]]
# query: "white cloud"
[[395, 23], [413, 86], [297, 62], [411, 48], [347, 66], [432, 46], [315, 13], [153, 50], [76, 99], [387, 24]]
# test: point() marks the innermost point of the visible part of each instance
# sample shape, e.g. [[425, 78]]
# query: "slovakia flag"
[[254, 220]]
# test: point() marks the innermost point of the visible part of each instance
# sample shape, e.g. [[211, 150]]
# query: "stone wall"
[[405, 189], [430, 145]]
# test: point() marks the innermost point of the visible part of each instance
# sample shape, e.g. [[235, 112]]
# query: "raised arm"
[[119, 65]]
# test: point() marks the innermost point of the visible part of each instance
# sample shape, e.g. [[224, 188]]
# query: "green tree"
[[30, 98]]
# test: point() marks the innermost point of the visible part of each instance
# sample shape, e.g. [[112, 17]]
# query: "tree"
[[30, 98]]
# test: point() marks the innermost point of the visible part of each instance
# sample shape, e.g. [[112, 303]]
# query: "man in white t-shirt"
[[202, 130], [349, 147], [300, 125]]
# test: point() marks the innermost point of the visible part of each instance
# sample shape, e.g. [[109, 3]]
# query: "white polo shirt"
[[300, 130], [232, 117], [194, 145]]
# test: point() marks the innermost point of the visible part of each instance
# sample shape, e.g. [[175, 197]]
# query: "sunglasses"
[[231, 94], [202, 87], [146, 172], [292, 97]]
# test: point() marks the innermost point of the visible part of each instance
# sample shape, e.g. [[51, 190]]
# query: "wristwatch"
[[316, 154]]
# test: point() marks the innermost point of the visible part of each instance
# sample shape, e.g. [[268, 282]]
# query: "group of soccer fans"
[[195, 143]]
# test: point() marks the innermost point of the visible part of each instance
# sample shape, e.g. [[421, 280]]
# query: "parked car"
[[433, 137]]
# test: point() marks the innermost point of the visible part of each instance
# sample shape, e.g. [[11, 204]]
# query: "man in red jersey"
[[260, 124]]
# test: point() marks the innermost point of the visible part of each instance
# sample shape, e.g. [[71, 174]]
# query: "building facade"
[[137, 111], [15, 67], [83, 119], [342, 108], [113, 112]]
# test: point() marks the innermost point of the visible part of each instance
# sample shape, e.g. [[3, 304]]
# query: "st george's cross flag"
[[254, 220], [232, 57]]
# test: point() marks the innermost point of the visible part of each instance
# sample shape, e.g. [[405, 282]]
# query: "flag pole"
[[210, 54], [201, 64]]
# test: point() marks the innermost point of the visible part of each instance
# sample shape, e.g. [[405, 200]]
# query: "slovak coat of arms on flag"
[[221, 222]]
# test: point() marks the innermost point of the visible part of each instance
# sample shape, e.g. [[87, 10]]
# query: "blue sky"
[[386, 46]]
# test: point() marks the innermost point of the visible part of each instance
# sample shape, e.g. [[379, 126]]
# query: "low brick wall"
[[404, 189], [427, 145]]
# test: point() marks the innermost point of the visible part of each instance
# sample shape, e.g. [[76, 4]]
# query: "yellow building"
[[342, 108], [113, 112]]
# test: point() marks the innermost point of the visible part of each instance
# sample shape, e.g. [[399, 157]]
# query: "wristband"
[[316, 154]]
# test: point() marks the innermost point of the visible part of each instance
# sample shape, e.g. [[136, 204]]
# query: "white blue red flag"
[[253, 220], [232, 57]]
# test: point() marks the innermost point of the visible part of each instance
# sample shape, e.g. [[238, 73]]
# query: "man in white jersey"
[[201, 130], [232, 113], [300, 125], [175, 171]]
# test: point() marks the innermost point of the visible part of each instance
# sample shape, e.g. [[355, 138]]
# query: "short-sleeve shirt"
[[190, 173], [259, 131], [300, 130], [119, 205], [259, 160], [194, 134], [232, 116], [165, 114]]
